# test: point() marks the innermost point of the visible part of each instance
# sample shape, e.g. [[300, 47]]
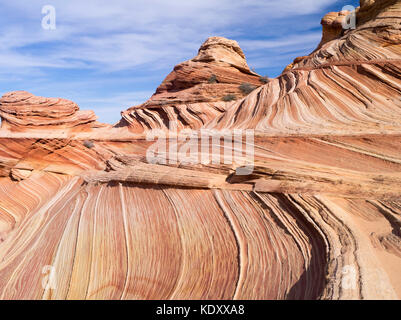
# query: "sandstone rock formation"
[[197, 90], [351, 85], [21, 111], [317, 217], [332, 24]]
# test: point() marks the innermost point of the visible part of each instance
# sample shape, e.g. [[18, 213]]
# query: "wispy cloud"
[[124, 34], [280, 43], [100, 42]]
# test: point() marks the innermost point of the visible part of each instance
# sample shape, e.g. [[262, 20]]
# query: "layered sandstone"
[[21, 110], [317, 217], [351, 85], [197, 90]]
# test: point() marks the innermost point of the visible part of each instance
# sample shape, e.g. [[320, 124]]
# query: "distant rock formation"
[[21, 110], [197, 90]]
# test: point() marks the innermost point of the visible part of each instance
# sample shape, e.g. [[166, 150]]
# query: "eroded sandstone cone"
[[21, 110], [197, 90]]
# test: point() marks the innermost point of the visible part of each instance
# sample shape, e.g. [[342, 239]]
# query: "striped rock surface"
[[85, 215], [21, 111], [351, 85]]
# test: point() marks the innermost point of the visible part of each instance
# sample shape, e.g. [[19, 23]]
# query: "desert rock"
[[317, 217], [21, 110], [197, 90]]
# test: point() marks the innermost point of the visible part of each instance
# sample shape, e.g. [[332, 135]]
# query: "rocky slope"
[[350, 85], [197, 90], [85, 215]]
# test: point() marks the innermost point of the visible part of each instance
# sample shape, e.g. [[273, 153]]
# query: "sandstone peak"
[[368, 10], [332, 25], [222, 50], [381, 17], [197, 90]]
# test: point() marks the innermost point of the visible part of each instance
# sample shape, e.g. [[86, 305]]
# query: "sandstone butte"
[[318, 218]]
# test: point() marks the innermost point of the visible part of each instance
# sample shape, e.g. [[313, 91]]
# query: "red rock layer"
[[121, 241], [20, 157], [94, 237], [197, 90]]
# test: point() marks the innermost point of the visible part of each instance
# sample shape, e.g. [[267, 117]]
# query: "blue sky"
[[110, 55]]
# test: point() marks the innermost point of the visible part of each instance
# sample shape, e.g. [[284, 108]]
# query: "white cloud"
[[124, 34], [285, 42], [127, 99], [103, 36]]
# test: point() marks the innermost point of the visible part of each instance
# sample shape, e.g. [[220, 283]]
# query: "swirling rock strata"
[[254, 246], [87, 215], [350, 85], [21, 110]]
